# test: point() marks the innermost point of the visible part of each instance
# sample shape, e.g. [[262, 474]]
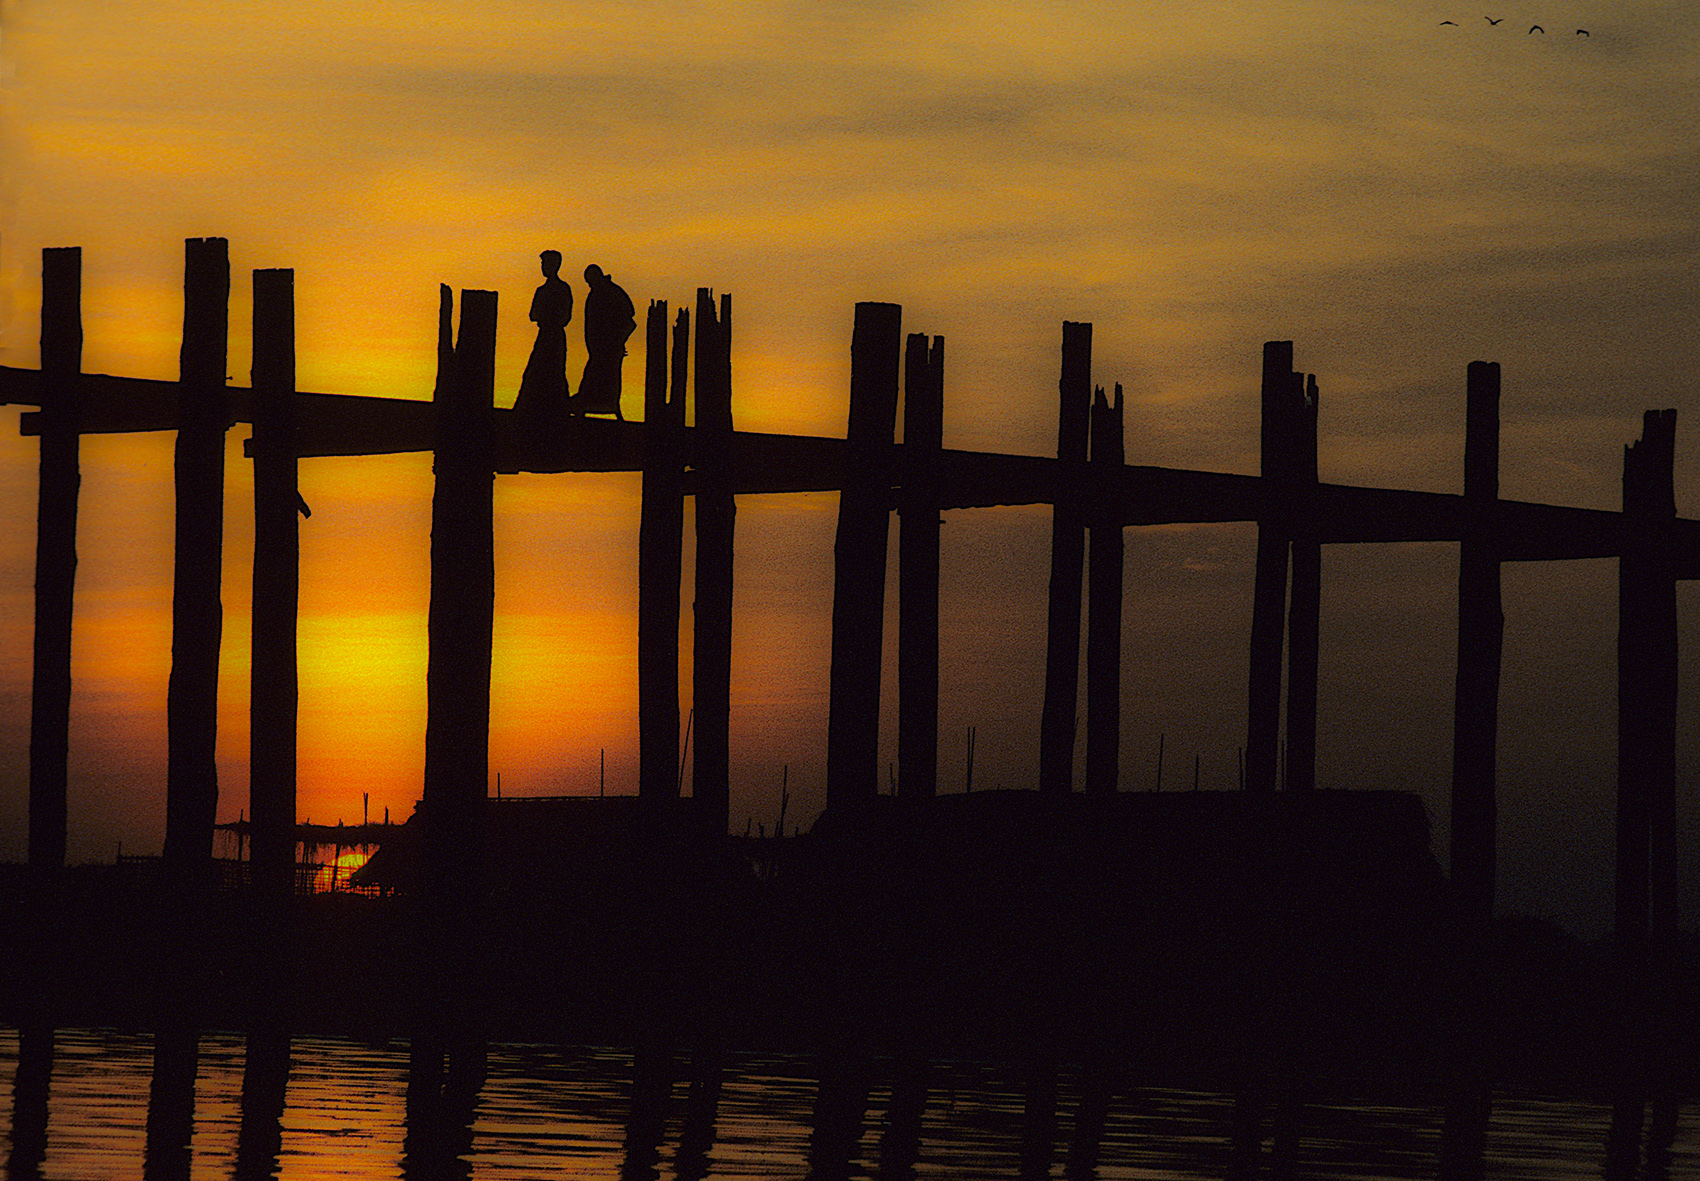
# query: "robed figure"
[[609, 320], [543, 389]]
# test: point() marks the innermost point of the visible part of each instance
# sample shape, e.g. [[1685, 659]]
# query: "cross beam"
[[346, 425]]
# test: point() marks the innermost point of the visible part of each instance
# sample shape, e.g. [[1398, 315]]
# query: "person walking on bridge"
[[543, 390], [609, 319]]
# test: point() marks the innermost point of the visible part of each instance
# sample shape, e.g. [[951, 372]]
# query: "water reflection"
[[29, 1103], [171, 1105], [95, 1105], [265, 1085]]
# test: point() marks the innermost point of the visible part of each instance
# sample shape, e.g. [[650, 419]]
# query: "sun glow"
[[334, 875]]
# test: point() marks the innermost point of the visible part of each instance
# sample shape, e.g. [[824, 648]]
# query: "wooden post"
[[197, 615], [55, 552], [457, 732], [1481, 626], [918, 566], [1263, 724], [716, 515], [1104, 602], [277, 560], [859, 553], [457, 725], [1305, 610], [1659, 437], [660, 537], [1068, 553], [1646, 709]]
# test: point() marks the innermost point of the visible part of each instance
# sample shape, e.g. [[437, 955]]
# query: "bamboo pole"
[[274, 688], [918, 564], [660, 541], [197, 615], [60, 480], [1068, 552], [1104, 603], [1263, 722], [859, 558], [716, 512]]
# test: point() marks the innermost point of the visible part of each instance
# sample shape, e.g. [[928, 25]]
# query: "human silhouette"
[[543, 389], [608, 320]]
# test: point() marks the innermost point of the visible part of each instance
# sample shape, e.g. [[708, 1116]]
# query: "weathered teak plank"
[[336, 424]]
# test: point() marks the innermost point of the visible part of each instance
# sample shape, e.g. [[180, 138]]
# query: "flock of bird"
[[1494, 20]]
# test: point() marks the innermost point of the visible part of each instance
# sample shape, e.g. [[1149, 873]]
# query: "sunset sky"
[[1397, 196]]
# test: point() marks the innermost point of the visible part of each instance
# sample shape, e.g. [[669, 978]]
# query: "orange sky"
[[1396, 196]]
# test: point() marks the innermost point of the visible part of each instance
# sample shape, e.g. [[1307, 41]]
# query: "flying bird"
[[1492, 21], [1581, 32], [1448, 22], [1536, 29]]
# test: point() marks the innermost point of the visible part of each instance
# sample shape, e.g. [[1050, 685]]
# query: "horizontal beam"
[[343, 425]]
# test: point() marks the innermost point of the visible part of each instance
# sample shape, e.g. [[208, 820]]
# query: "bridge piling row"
[[1292, 509]]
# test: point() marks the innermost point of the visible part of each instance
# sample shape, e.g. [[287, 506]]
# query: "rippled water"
[[545, 1112]]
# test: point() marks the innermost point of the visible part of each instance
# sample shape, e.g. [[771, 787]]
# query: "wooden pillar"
[[859, 553], [1263, 723], [1647, 690], [457, 725], [457, 729], [1481, 626], [55, 552], [1104, 601], [197, 615], [1474, 819], [660, 537], [1304, 612], [918, 566], [273, 700], [716, 515], [1659, 437], [277, 562], [1068, 553]]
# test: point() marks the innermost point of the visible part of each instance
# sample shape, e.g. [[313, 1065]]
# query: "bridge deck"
[[348, 425]]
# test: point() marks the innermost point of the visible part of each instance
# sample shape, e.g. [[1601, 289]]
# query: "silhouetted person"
[[543, 389], [609, 319]]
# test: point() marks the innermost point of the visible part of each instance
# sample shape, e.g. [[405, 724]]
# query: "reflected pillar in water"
[[900, 1146], [265, 1084], [1090, 1117], [840, 1114], [646, 1118], [702, 1107], [438, 1142], [30, 1088], [1661, 1138], [1039, 1116], [171, 1104]]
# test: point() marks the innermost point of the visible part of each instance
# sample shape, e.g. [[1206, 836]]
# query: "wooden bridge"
[[1094, 495]]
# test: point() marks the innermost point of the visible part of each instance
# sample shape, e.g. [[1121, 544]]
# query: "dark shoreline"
[[1174, 934]]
